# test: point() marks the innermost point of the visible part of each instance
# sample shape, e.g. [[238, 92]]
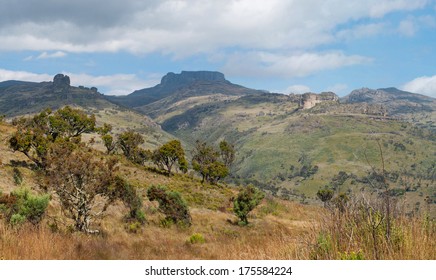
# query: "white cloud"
[[407, 27], [292, 65], [297, 89], [185, 27], [423, 85], [6, 75], [117, 84], [46, 55]]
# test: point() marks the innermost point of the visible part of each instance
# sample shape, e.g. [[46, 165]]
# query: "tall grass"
[[361, 231]]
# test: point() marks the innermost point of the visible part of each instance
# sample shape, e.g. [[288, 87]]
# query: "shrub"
[[197, 238], [246, 201], [171, 204], [21, 205], [17, 219], [18, 177], [32, 207]]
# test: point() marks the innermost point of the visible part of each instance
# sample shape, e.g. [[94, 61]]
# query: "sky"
[[281, 46]]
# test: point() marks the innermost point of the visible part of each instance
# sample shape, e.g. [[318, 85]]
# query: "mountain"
[[395, 101], [180, 87], [293, 152], [18, 98]]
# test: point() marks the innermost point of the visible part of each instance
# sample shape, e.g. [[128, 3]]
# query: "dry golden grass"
[[265, 238]]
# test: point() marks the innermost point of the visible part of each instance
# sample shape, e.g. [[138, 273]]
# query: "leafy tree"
[[126, 192], [129, 142], [206, 162], [78, 177], [171, 204], [246, 201], [109, 143], [227, 153], [169, 154], [108, 140], [325, 195], [35, 135]]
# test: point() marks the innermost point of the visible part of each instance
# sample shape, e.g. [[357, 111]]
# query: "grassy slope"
[[270, 138], [275, 224]]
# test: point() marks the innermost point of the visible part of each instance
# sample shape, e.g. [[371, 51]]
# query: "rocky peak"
[[188, 77], [61, 83]]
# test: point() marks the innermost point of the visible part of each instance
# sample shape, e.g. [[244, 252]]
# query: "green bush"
[[171, 204], [246, 201], [17, 219], [18, 177], [32, 207], [197, 238]]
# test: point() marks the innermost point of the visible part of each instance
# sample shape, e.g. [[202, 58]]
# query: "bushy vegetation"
[[246, 201], [171, 205], [169, 154], [212, 165], [20, 206]]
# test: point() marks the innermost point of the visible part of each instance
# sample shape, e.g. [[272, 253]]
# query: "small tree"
[[35, 135], [325, 195], [129, 143], [171, 204], [169, 154], [206, 162], [78, 177], [227, 153], [108, 140], [246, 201]]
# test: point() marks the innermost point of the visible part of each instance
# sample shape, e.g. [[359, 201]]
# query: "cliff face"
[[309, 100], [188, 77]]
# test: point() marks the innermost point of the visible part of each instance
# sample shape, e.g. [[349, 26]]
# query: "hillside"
[[274, 225], [188, 87], [19, 98], [276, 140]]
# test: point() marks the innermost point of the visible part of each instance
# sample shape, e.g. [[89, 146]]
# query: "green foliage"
[[129, 142], [35, 135], [127, 193], [109, 143], [17, 219], [227, 153], [169, 154], [325, 195], [18, 177], [354, 256], [135, 227], [206, 162], [21, 205], [171, 204], [197, 238], [246, 201]]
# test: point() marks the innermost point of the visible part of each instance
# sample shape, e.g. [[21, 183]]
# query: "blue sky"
[[277, 45]]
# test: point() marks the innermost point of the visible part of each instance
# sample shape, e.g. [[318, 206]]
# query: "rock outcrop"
[[188, 77], [309, 100], [61, 83]]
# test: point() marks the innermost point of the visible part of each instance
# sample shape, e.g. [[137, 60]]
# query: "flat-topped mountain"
[[184, 85]]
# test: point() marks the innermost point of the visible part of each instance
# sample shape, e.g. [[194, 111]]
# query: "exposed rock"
[[309, 100], [61, 83], [187, 77]]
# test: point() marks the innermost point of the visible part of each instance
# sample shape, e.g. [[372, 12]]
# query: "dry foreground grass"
[[278, 229]]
